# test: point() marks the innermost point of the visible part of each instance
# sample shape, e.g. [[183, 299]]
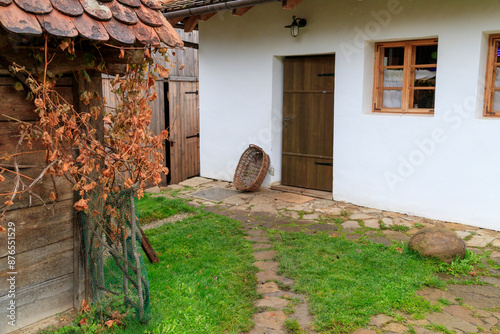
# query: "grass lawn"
[[205, 282], [348, 282]]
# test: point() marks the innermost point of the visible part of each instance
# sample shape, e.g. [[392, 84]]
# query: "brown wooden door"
[[184, 138], [307, 159]]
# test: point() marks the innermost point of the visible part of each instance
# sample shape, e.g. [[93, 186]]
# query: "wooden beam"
[[173, 22], [190, 23], [206, 17], [148, 249], [290, 4], [241, 11]]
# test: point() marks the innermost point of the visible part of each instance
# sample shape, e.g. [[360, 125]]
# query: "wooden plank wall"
[[44, 238], [183, 108], [184, 122]]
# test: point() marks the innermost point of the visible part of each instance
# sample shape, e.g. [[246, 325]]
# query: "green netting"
[[113, 244]]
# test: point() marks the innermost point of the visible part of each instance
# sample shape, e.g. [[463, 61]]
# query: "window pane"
[[394, 56], [497, 77], [392, 99], [497, 48], [426, 54], [423, 99], [425, 77], [496, 101], [393, 78]]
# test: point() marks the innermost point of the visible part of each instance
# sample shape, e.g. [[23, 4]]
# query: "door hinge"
[[326, 74], [323, 163], [194, 136], [191, 93]]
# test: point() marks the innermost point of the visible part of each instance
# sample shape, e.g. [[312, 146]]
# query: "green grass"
[[205, 281], [348, 282], [471, 263], [155, 208]]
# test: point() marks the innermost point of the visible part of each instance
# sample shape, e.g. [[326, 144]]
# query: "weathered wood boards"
[[308, 122], [43, 236]]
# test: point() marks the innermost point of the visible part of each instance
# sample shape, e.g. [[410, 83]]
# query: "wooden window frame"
[[489, 89], [408, 67]]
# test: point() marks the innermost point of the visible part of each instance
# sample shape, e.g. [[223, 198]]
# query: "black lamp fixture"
[[296, 24]]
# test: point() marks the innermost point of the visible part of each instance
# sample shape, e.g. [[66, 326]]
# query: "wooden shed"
[[176, 109], [48, 267]]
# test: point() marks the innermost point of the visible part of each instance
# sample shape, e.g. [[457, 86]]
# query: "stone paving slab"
[[276, 210]]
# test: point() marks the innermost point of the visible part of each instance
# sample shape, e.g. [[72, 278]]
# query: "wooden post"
[[135, 233], [148, 249], [82, 288]]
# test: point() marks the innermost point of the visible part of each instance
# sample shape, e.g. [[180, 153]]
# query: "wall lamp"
[[296, 24]]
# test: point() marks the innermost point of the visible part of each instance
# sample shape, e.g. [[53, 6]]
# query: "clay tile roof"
[[122, 21], [173, 5]]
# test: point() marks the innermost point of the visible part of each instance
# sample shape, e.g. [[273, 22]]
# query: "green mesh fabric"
[[113, 244]]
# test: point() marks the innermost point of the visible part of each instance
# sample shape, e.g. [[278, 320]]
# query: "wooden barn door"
[[184, 139], [307, 159]]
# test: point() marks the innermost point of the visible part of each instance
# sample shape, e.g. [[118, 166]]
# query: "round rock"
[[438, 242]]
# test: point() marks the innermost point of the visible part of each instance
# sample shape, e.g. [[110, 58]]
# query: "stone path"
[[470, 309]]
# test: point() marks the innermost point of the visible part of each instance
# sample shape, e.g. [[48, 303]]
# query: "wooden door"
[[307, 159], [184, 138]]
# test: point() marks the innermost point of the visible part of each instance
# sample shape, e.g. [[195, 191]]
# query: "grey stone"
[[264, 255], [351, 224], [264, 276], [451, 322], [396, 328], [396, 236], [290, 228], [361, 216], [311, 216], [258, 239], [330, 211], [380, 320], [372, 223], [387, 221], [272, 320], [153, 190], [364, 331], [480, 241], [322, 227], [275, 302], [261, 246], [478, 296], [496, 243], [495, 256], [266, 265], [490, 280], [257, 233], [215, 194], [438, 242], [195, 182], [268, 287], [380, 240]]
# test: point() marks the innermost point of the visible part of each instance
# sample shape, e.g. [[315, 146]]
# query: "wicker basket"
[[252, 169]]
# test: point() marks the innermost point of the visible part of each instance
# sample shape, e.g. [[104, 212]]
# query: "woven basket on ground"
[[252, 169]]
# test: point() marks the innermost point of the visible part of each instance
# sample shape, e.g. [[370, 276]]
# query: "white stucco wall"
[[378, 158]]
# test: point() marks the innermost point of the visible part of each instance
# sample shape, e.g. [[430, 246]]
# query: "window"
[[405, 77], [492, 84]]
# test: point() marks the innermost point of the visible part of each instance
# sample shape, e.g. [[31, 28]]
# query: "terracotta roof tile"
[[119, 32], [57, 24], [35, 6], [131, 3], [149, 16], [145, 34], [15, 20], [96, 10], [68, 7], [122, 13], [124, 21], [90, 28], [153, 4]]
